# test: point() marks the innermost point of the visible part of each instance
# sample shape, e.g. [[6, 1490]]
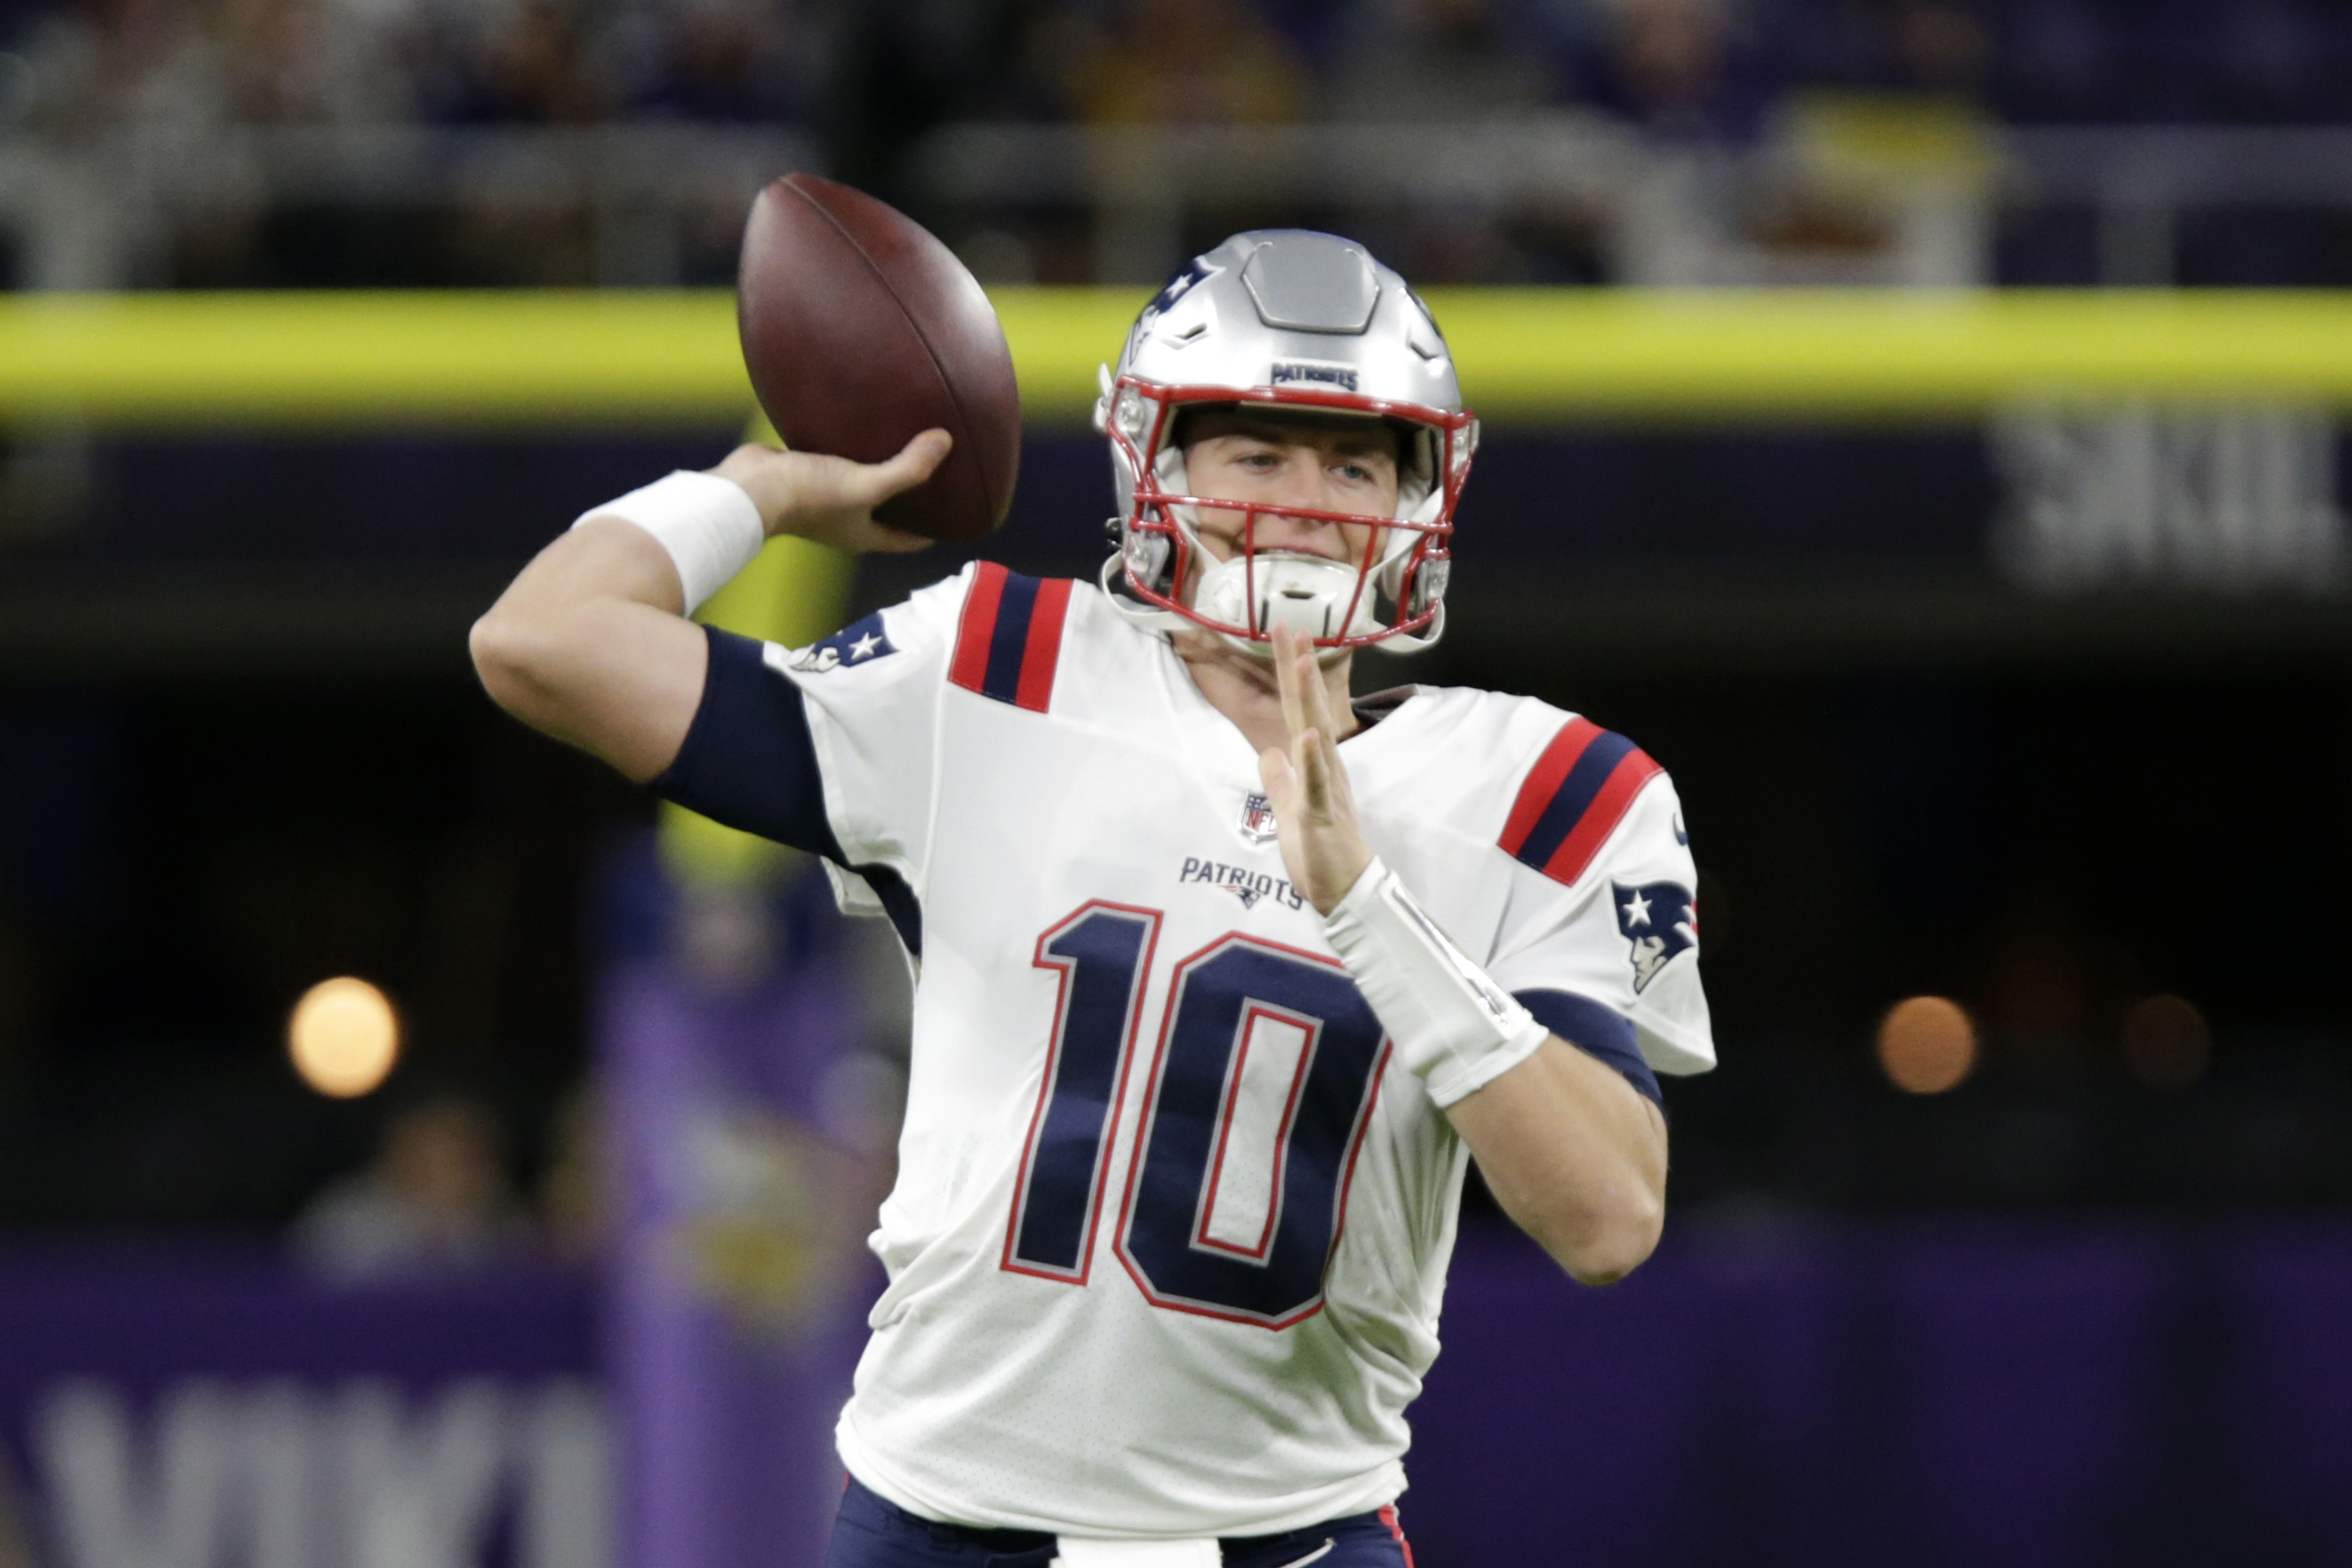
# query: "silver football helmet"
[[1293, 320]]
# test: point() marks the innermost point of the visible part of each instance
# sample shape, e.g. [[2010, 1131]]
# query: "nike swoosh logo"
[[1319, 1553]]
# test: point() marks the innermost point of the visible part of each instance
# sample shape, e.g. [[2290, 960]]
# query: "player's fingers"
[[1331, 781], [1285, 679], [881, 540], [1331, 776], [914, 463], [1316, 692], [1343, 794], [1337, 800], [1281, 781], [1313, 772]]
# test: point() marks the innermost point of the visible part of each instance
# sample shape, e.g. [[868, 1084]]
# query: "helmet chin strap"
[[1308, 594]]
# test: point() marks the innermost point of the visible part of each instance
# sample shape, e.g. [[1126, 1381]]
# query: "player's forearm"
[[1574, 1156], [591, 644], [1571, 1150], [588, 645]]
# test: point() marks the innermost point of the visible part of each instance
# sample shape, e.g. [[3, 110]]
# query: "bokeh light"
[[2167, 1043], [1927, 1044], [343, 1037]]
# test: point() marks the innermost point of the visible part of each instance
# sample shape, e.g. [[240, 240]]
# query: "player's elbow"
[[511, 658], [1608, 1241]]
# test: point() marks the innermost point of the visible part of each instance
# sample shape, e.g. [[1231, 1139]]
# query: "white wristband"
[[709, 525], [1453, 1026]]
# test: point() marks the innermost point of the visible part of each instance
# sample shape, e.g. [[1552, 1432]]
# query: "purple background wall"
[[737, 1309], [2075, 1392], [193, 1408]]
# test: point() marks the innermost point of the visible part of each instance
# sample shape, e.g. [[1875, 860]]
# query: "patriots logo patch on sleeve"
[[1660, 921], [860, 642]]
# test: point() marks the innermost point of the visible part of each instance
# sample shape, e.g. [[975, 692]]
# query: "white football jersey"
[[1171, 1226]]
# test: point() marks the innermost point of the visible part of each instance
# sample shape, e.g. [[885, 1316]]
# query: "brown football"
[[860, 329]]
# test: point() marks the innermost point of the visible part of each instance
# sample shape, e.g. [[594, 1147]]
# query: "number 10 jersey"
[[1171, 1226]]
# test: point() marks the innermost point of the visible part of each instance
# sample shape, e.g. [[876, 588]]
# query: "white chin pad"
[[1075, 1553], [1306, 593]]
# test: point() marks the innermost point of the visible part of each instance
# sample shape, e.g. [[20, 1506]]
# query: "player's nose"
[[1298, 484], [1278, 530], [1309, 482]]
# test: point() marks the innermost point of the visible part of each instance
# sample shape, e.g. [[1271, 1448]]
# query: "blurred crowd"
[[437, 1196], [188, 65], [856, 87], [1682, 67]]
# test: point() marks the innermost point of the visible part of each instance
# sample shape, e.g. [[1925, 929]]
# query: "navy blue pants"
[[873, 1532]]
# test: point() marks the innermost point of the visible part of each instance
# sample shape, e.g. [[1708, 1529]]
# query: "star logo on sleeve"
[[860, 642], [1659, 920]]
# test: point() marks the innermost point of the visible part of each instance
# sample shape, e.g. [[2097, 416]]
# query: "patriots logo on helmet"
[[1176, 288], [1660, 920], [860, 642]]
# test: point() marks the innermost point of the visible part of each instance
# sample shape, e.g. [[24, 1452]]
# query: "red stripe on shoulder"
[[1544, 779], [969, 668], [1609, 807], [1043, 650]]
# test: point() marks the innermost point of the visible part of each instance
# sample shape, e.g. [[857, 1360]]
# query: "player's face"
[[1240, 455]]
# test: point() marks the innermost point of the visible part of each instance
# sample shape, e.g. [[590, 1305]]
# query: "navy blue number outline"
[[1056, 1051], [1105, 1135], [1169, 1013]]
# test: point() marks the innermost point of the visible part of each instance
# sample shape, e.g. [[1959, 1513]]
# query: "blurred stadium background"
[[1918, 422]]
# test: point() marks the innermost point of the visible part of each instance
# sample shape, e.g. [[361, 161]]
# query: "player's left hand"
[[1313, 811]]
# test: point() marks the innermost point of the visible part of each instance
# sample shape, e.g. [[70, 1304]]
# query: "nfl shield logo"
[[1257, 819]]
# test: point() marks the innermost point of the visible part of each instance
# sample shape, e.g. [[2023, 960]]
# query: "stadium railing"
[[93, 214]]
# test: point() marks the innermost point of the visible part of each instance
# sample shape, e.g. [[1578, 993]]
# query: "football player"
[[1223, 977]]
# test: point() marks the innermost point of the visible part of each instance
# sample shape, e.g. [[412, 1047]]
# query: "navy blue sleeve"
[[1596, 1031], [749, 762]]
